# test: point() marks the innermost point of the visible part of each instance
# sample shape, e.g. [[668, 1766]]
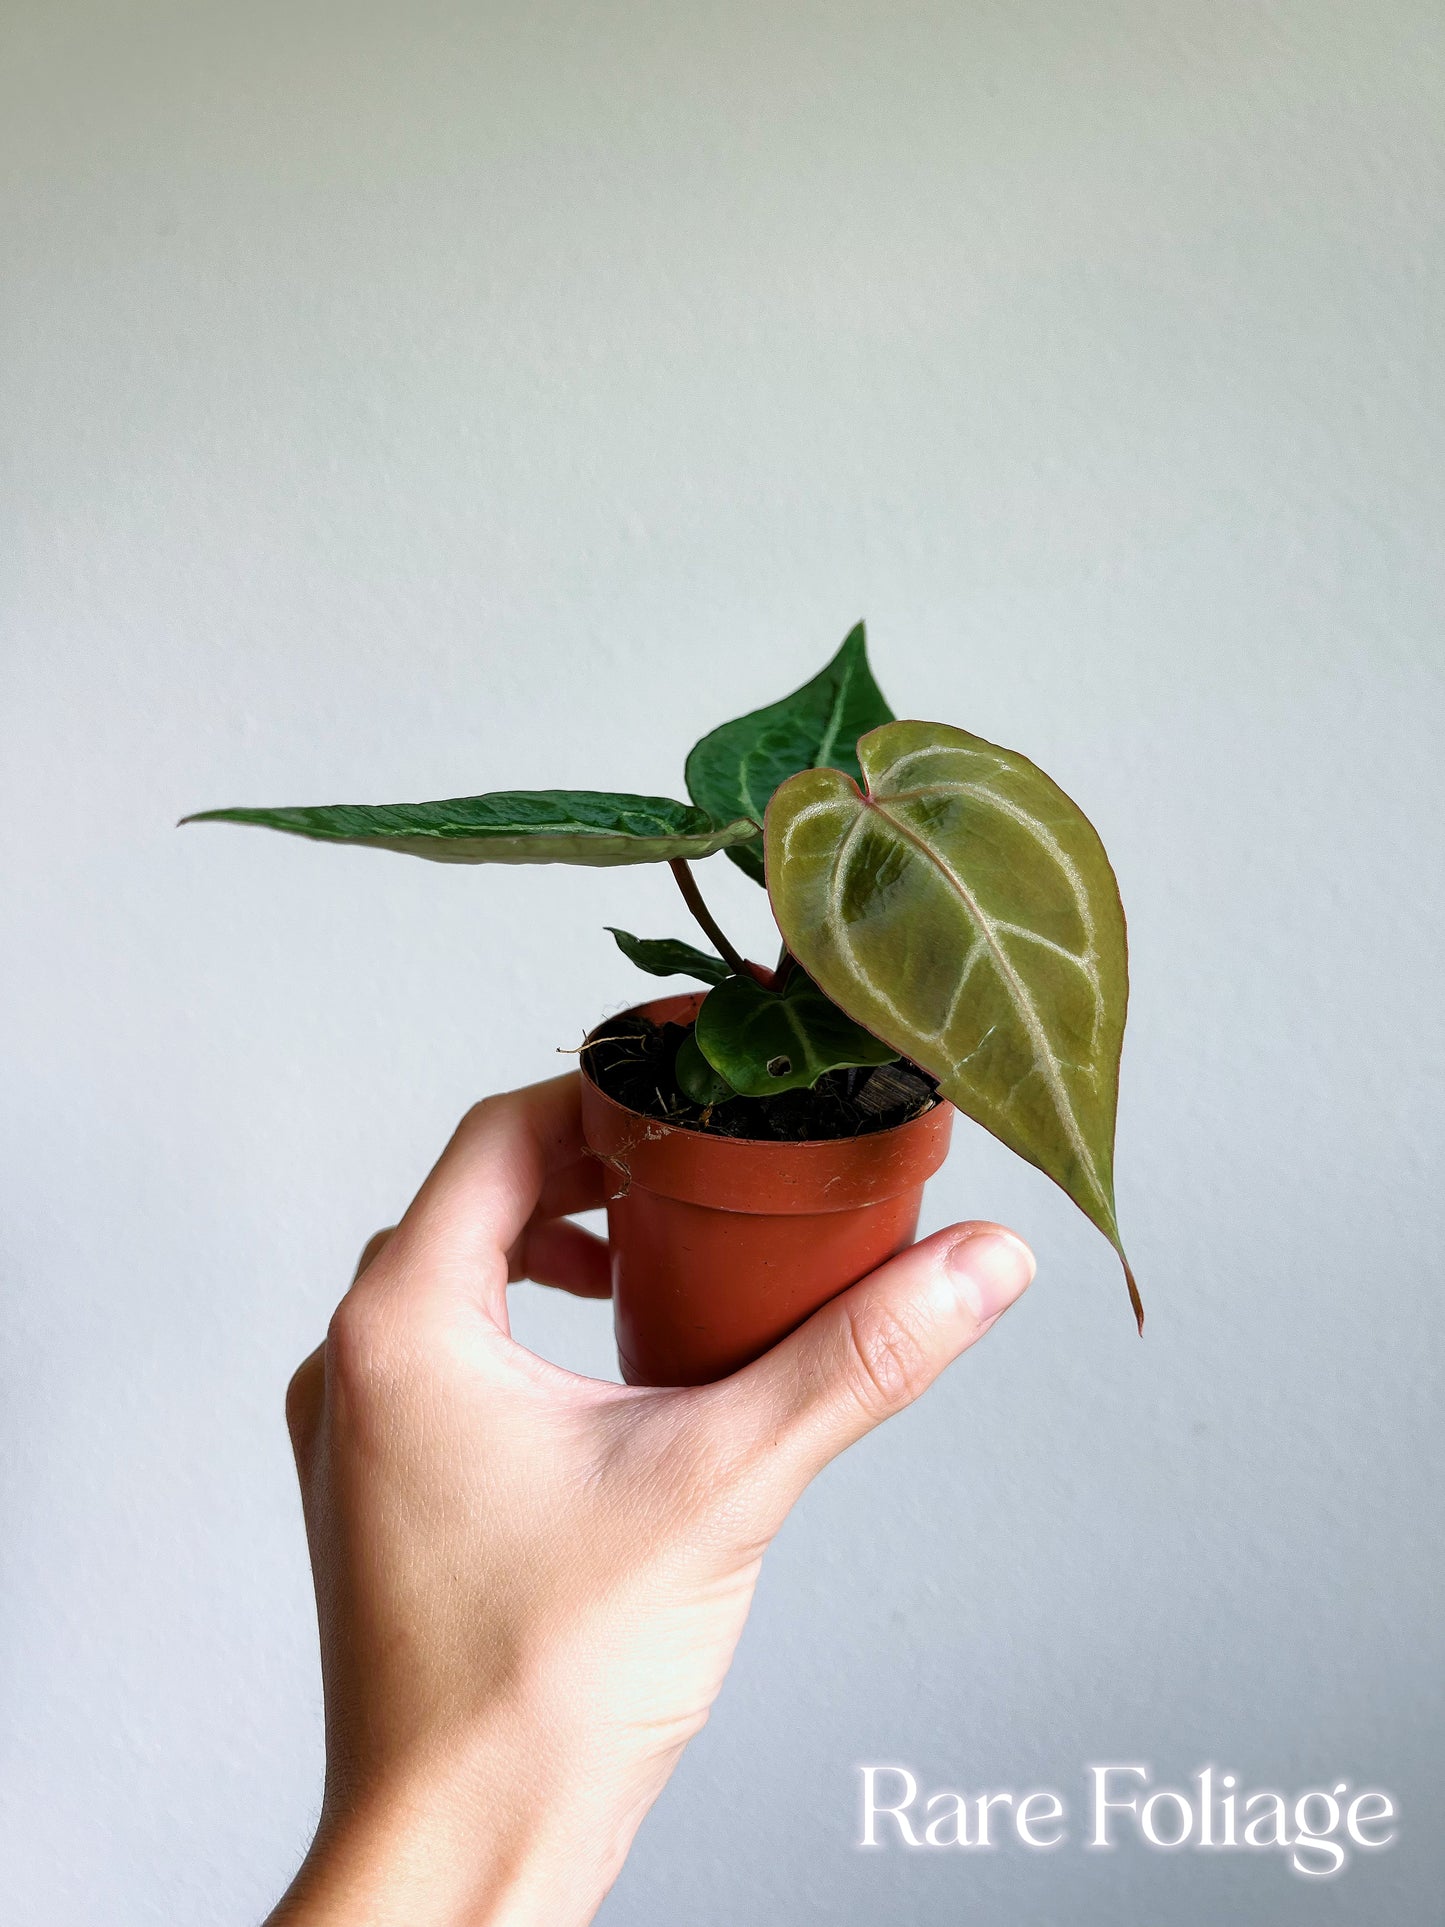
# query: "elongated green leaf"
[[669, 957], [964, 909], [765, 1041], [734, 770], [696, 1076], [592, 827]]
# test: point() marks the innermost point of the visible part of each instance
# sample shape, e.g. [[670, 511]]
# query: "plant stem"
[[692, 897], [787, 964]]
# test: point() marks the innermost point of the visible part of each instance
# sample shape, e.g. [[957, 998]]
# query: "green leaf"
[[696, 1076], [734, 770], [965, 910], [766, 1041], [593, 827], [669, 957]]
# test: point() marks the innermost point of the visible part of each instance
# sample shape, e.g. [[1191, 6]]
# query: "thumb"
[[873, 1349]]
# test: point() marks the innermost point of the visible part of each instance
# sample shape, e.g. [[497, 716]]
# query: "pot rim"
[[759, 1176], [648, 1009]]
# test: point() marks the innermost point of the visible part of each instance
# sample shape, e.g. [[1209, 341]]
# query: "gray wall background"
[[406, 400]]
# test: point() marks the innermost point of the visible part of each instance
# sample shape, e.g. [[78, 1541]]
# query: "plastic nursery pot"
[[722, 1246]]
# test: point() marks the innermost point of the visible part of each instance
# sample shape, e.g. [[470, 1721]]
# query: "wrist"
[[487, 1840]]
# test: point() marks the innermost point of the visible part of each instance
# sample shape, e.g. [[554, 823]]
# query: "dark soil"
[[632, 1060]]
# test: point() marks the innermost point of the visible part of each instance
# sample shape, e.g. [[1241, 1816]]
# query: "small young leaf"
[[734, 770], [964, 909], [590, 827], [696, 1076], [766, 1041], [669, 957]]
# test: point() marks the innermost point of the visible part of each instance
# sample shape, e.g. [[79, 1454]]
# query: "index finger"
[[511, 1157]]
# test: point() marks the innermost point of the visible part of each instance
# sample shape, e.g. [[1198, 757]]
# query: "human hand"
[[530, 1584]]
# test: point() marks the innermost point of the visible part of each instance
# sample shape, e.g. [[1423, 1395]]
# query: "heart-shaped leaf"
[[735, 769], [669, 957], [590, 827], [766, 1041], [964, 909], [697, 1078]]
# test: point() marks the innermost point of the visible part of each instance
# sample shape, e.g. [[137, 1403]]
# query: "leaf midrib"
[[823, 759], [1043, 1049]]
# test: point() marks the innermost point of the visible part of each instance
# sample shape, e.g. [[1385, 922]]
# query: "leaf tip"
[[207, 816], [1134, 1299]]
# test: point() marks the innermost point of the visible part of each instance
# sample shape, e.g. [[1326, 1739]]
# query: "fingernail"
[[990, 1269]]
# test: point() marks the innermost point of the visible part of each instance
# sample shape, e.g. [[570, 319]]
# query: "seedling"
[[940, 899]]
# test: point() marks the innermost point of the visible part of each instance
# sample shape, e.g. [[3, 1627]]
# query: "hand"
[[530, 1584]]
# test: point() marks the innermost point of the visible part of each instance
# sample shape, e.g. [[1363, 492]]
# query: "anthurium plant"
[[940, 900]]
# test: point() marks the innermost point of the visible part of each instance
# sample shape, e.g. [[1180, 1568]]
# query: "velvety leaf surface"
[[964, 909], [765, 1041], [669, 957], [734, 770], [590, 827]]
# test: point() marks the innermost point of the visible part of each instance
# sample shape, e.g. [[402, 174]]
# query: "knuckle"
[[301, 1397], [360, 1346], [887, 1365], [373, 1248], [485, 1113]]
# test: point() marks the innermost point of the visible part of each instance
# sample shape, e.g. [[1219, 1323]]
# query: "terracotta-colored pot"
[[722, 1246]]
